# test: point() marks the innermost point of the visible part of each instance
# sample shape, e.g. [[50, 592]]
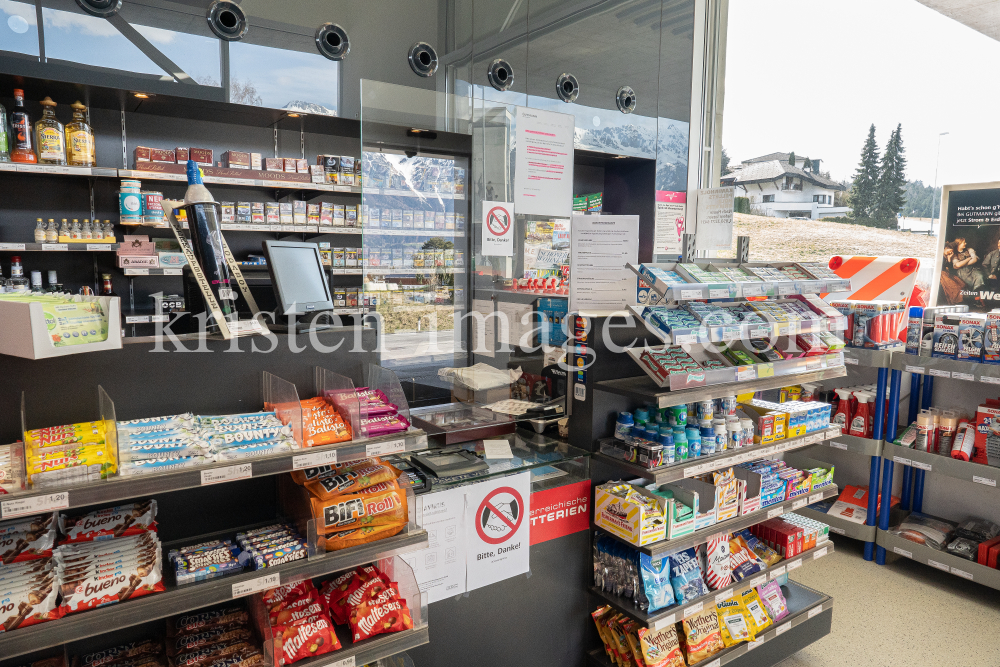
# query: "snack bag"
[[764, 552], [756, 610], [743, 560], [609, 646], [702, 638], [661, 648], [309, 474], [351, 480], [633, 641], [296, 642], [656, 581], [625, 657], [774, 600], [275, 598], [345, 539], [685, 576], [734, 623], [360, 510], [387, 612], [718, 572]]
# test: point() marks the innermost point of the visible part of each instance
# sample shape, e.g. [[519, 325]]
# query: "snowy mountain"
[[670, 148], [309, 108]]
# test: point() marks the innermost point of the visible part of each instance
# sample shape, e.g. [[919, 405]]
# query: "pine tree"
[[807, 165], [791, 158], [890, 192], [865, 181]]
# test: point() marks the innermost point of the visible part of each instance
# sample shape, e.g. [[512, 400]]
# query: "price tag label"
[[815, 611], [777, 572], [389, 446], [923, 466], [794, 564], [718, 293], [939, 565], [839, 531], [665, 621], [785, 290], [904, 461], [962, 573], [819, 553], [759, 581], [754, 644], [257, 585], [314, 460], [782, 629], [838, 445], [227, 474], [715, 663], [722, 597], [173, 272], [765, 370], [346, 662], [969, 377], [850, 361], [752, 290], [989, 380], [11, 246], [744, 373], [59, 247], [984, 480], [902, 552], [136, 272], [815, 498], [915, 369], [691, 294], [777, 511], [937, 372], [684, 339], [99, 246], [136, 319], [10, 509], [693, 609], [799, 504]]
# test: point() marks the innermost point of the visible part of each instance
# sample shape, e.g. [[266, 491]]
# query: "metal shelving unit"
[[841, 526], [725, 289], [89, 246], [664, 547], [180, 599], [968, 471], [970, 371], [941, 560], [856, 445], [674, 614], [703, 464], [122, 488], [369, 650]]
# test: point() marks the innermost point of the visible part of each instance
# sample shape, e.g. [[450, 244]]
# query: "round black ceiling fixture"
[[227, 20], [423, 59], [332, 41], [625, 99], [567, 88], [100, 8], [500, 74]]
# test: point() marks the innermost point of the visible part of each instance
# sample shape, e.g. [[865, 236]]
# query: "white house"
[[780, 189]]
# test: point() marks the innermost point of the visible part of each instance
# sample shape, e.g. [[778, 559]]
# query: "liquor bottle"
[[50, 135], [52, 232], [86, 233], [109, 231], [39, 231], [17, 281], [64, 230], [80, 138], [4, 140], [54, 284], [203, 215], [106, 288], [98, 230], [75, 232], [36, 281], [20, 123]]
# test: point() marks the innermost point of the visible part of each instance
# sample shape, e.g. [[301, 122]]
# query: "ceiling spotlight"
[[293, 115], [423, 134], [143, 96]]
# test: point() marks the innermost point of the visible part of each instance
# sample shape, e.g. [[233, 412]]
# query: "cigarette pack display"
[[181, 155], [326, 213], [256, 161], [350, 216], [257, 212], [285, 213], [291, 165], [228, 212], [243, 215], [203, 157], [236, 160], [299, 214], [141, 154], [162, 155], [274, 164], [272, 213]]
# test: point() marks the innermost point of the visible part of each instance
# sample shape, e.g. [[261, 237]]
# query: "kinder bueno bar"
[[33, 524], [27, 606], [109, 523], [26, 545], [383, 425], [118, 654], [107, 589], [189, 623]]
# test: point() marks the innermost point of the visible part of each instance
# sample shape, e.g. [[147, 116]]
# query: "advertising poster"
[[560, 511], [968, 260], [498, 529], [671, 207]]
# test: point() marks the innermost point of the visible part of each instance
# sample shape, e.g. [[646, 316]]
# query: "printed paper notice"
[[543, 171], [714, 224], [497, 237], [483, 331], [670, 211], [602, 246], [440, 568]]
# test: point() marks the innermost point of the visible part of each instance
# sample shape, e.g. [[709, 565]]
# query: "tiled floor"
[[903, 614]]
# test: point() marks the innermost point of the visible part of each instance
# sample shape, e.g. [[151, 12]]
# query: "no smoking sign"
[[498, 229]]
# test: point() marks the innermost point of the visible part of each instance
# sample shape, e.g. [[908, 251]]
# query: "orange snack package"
[[351, 538], [363, 509], [661, 648], [322, 424], [350, 480], [702, 637], [310, 474]]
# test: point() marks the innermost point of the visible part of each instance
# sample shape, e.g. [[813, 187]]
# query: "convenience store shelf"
[[840, 525], [242, 182], [664, 547], [862, 357], [703, 464], [180, 599], [95, 246], [369, 650], [968, 471], [405, 271], [725, 289], [733, 332], [661, 619], [970, 371], [45, 169], [941, 560], [122, 488], [852, 443], [642, 388], [392, 192], [804, 605]]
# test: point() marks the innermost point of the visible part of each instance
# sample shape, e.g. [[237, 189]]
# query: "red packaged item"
[[334, 591], [280, 615], [28, 605], [387, 612], [302, 614], [276, 597], [100, 590], [109, 523], [339, 601], [23, 545], [296, 642]]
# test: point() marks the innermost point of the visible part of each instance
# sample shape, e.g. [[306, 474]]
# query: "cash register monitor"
[[298, 277]]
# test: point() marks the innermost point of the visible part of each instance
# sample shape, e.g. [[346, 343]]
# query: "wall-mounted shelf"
[[941, 560], [90, 246], [968, 471], [970, 371], [840, 526]]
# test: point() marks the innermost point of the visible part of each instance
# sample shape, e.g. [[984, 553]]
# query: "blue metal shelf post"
[[890, 435]]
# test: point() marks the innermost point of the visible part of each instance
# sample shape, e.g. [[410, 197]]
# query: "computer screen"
[[299, 279]]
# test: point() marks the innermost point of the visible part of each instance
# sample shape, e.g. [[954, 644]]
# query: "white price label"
[[904, 461], [722, 597], [937, 372], [794, 564], [257, 585], [715, 663], [136, 319], [850, 361], [754, 644], [11, 246], [915, 369], [939, 565], [55, 246], [800, 503], [173, 272], [10, 509], [691, 294], [777, 511], [815, 498], [227, 474], [684, 339], [785, 290], [767, 451], [962, 573], [777, 572], [782, 629], [815, 611], [752, 290], [693, 609], [759, 581], [387, 447], [718, 293], [969, 377], [984, 480], [99, 246], [839, 531], [744, 373], [665, 621], [819, 553], [902, 552], [989, 380], [838, 445], [691, 471], [314, 460], [346, 662], [136, 272], [923, 466]]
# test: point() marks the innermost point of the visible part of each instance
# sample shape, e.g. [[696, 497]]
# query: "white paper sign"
[[497, 235], [497, 449], [602, 246], [245, 588], [714, 221], [497, 529], [543, 167], [25, 506], [440, 568], [670, 212]]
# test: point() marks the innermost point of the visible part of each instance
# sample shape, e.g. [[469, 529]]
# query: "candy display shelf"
[[971, 371], [180, 599], [968, 471], [243, 182], [773, 645], [122, 488], [727, 333], [676, 613], [664, 547], [703, 464], [725, 289], [941, 560], [90, 246], [645, 389], [852, 443], [369, 650], [840, 526]]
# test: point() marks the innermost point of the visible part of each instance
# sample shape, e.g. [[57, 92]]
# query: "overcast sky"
[[813, 75]]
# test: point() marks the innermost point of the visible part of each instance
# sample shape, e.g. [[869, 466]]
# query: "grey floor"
[[903, 613]]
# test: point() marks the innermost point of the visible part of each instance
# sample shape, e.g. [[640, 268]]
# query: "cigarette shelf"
[[703, 464], [92, 246], [840, 525], [242, 182], [729, 333], [664, 547], [643, 388], [725, 289], [941, 560], [663, 618], [180, 599], [405, 271], [804, 605], [124, 487], [968, 471], [971, 371], [99, 172], [862, 357], [852, 443], [388, 192]]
